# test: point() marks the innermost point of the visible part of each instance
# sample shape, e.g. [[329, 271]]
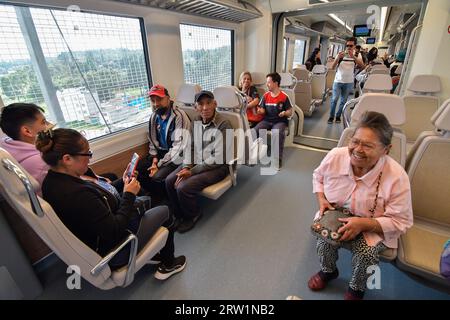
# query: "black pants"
[[149, 223], [184, 197], [155, 185]]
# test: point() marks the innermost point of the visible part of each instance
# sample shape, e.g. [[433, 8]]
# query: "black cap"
[[203, 93]]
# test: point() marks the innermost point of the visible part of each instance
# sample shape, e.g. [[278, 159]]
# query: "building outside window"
[[88, 71]]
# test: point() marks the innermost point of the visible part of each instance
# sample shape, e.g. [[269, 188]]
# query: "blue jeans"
[[342, 90]]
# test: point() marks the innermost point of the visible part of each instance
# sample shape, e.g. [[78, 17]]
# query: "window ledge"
[[113, 144]]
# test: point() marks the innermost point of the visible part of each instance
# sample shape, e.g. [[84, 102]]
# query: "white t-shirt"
[[345, 71]]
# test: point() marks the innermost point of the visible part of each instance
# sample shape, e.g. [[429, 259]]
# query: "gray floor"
[[253, 243], [316, 125]]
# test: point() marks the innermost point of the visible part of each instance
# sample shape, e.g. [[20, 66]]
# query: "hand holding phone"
[[133, 165]]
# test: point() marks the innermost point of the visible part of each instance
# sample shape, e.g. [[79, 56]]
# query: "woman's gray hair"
[[379, 124]]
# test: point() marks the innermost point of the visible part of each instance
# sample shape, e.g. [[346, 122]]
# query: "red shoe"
[[320, 280], [353, 294]]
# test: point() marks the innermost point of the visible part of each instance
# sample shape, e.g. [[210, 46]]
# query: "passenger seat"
[[428, 170], [319, 82], [304, 92], [420, 105], [17, 188], [288, 84]]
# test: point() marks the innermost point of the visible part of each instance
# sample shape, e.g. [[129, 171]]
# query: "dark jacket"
[[210, 140], [92, 214]]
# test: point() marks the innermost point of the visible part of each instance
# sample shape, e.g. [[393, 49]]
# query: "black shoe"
[[188, 223], [330, 120], [165, 272], [338, 120]]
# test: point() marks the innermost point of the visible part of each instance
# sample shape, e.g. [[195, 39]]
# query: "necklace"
[[372, 210]]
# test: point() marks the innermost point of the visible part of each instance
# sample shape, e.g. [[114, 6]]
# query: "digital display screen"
[[370, 40], [361, 31]]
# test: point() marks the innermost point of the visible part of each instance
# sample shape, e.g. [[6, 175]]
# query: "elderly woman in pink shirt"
[[375, 188]]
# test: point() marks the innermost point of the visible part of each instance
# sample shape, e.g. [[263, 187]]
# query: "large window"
[[299, 52], [207, 56], [88, 71]]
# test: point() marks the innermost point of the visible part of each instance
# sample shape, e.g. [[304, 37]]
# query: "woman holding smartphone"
[[97, 217]]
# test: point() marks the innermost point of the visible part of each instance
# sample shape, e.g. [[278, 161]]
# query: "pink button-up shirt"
[[334, 177]]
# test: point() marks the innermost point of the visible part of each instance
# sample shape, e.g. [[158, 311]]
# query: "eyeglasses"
[[349, 45], [88, 154], [366, 146]]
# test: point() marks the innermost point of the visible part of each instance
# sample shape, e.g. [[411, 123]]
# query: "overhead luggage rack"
[[235, 11]]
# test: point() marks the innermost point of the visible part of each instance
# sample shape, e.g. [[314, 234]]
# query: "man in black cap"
[[166, 142], [184, 184]]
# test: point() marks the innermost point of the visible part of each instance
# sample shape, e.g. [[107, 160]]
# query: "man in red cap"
[[165, 134]]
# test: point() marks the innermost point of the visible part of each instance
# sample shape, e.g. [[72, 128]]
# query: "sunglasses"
[[350, 46], [88, 154]]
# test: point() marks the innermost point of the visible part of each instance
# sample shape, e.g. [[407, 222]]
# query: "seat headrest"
[[258, 78], [300, 66], [186, 93], [301, 74], [227, 97], [378, 82], [379, 66], [319, 69], [391, 106], [287, 79], [378, 61], [379, 71], [441, 118], [425, 83], [11, 184]]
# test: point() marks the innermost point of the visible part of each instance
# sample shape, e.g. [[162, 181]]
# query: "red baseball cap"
[[158, 90]]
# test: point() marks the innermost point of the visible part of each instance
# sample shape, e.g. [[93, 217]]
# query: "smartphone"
[[133, 165]]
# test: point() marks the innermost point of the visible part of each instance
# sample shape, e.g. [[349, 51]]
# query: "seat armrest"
[[131, 260]]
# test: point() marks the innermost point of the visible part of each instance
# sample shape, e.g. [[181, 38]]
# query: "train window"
[[299, 52], [88, 71], [207, 55]]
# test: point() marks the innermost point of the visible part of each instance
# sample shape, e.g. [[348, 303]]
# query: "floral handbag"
[[327, 226]]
